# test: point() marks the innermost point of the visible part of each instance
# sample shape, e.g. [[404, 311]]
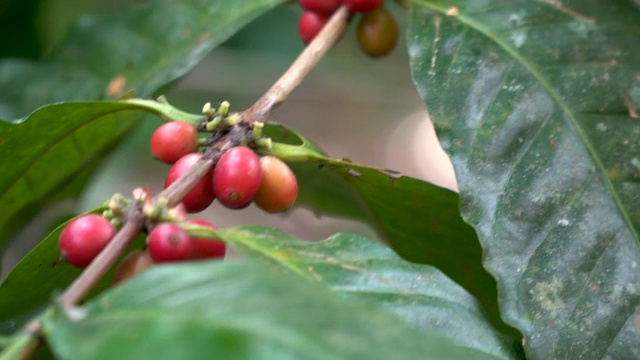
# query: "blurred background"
[[353, 106]]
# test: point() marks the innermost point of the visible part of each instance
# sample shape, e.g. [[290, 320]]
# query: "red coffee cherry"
[[362, 6], [201, 196], [377, 32], [84, 238], [173, 140], [168, 242], [204, 248], [134, 263], [310, 25], [237, 177], [279, 187], [324, 7]]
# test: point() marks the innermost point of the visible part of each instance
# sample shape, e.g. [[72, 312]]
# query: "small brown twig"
[[308, 59]]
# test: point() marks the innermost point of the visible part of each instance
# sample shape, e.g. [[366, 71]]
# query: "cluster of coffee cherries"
[[82, 239], [239, 178], [377, 31]]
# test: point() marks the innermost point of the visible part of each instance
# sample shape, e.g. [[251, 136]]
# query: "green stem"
[[167, 111], [23, 346]]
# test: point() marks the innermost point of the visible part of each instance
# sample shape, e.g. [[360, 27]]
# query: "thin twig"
[[308, 59]]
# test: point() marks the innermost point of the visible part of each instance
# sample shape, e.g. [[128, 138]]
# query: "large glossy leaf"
[[418, 219], [141, 49], [236, 310], [535, 102], [371, 273]]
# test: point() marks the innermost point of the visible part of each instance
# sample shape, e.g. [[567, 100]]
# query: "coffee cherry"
[[169, 242], [325, 7], [362, 6], [377, 32], [310, 25], [279, 187], [84, 238], [205, 248], [201, 196], [134, 263], [173, 140], [237, 177]]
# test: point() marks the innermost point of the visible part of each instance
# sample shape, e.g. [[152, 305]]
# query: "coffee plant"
[[536, 257]]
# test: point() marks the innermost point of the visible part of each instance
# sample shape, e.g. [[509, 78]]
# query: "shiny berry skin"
[[324, 7], [83, 239], [377, 32], [168, 242], [134, 263], [237, 177], [173, 140], [279, 187], [310, 25], [201, 196], [362, 6], [204, 248]]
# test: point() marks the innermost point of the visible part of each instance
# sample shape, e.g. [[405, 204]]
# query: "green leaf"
[[371, 273], [146, 47], [419, 220], [37, 277], [235, 310], [535, 102], [51, 148]]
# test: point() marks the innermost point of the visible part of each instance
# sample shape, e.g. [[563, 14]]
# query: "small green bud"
[[223, 110], [232, 120], [264, 143], [213, 124], [207, 109], [257, 129]]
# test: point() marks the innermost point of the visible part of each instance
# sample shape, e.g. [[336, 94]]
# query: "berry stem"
[[307, 60]]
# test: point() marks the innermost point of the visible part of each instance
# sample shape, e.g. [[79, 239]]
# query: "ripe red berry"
[[279, 187], [173, 140], [310, 25], [325, 7], [377, 32], [205, 248], [168, 242], [84, 238], [362, 6], [237, 177], [134, 263], [201, 196]]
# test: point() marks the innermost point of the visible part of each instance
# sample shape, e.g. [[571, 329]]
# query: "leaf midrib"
[[555, 96]]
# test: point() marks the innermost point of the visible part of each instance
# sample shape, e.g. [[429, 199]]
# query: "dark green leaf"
[[371, 273], [420, 220], [236, 310], [142, 49], [535, 101], [20, 14], [147, 47]]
